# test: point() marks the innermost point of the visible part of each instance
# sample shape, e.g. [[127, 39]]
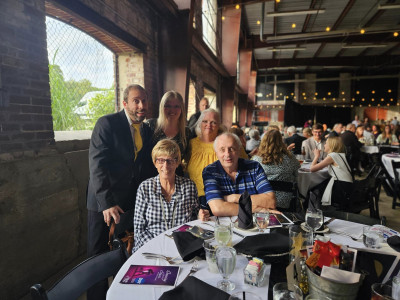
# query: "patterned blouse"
[[154, 215], [286, 171]]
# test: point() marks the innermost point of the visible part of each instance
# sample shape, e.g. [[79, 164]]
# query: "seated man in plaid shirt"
[[227, 178]]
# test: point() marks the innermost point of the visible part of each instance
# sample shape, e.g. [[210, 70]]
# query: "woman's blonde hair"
[[335, 144], [162, 120], [272, 148], [166, 147], [360, 131]]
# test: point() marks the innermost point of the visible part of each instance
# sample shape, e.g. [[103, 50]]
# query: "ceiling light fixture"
[[346, 46], [295, 13], [389, 6]]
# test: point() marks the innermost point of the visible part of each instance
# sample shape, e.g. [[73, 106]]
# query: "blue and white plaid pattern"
[[250, 178], [148, 221]]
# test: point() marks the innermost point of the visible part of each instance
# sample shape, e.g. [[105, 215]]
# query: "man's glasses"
[[161, 161]]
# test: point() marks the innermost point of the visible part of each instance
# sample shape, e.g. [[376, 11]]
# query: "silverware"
[[329, 221], [238, 234], [194, 269], [170, 260]]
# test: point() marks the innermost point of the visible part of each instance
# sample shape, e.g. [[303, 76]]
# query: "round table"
[[166, 246], [307, 180], [387, 162], [370, 149]]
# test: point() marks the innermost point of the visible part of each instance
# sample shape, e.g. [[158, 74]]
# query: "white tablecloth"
[[166, 246], [387, 162], [370, 149], [307, 180]]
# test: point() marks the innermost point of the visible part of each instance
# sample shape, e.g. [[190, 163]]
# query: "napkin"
[[394, 242], [354, 230], [194, 289], [245, 216], [277, 242], [188, 245]]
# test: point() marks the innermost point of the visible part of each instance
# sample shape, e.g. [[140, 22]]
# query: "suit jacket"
[[193, 119], [114, 173], [297, 140], [309, 146]]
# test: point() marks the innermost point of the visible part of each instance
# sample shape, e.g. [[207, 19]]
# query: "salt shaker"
[[396, 287]]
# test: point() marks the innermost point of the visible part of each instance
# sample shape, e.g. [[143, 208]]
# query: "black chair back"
[[289, 187], [395, 183], [84, 275]]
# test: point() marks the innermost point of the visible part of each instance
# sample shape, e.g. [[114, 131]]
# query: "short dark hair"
[[133, 87], [317, 126]]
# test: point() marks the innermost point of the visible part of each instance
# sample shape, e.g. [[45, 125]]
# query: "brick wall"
[[25, 109]]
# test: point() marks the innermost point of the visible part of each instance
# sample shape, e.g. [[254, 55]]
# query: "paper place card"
[[338, 275]]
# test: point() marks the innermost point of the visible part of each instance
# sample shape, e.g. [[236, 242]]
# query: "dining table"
[[164, 244], [387, 162], [344, 232], [306, 179]]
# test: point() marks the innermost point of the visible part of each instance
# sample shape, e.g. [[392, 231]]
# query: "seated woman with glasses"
[[167, 200]]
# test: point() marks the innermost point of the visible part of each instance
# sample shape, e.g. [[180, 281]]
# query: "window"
[[81, 72], [209, 20], [191, 100]]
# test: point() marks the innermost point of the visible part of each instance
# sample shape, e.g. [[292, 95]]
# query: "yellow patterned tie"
[[138, 143]]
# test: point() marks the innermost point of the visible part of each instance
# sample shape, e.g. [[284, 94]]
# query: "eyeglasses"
[[161, 161], [167, 106]]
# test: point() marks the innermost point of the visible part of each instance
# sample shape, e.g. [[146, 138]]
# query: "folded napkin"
[[194, 289], [188, 245], [394, 242], [245, 216], [277, 242], [354, 230]]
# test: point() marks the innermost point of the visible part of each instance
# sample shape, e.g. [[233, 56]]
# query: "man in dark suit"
[[353, 146], [294, 138], [118, 154], [203, 105]]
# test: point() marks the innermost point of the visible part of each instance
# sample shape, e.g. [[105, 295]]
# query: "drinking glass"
[[371, 238], [299, 240], [226, 262], [223, 234], [281, 291], [244, 295], [314, 219], [261, 219], [380, 291], [210, 249]]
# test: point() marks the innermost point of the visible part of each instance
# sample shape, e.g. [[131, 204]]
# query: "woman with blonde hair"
[[279, 164], [340, 185], [171, 124], [166, 200]]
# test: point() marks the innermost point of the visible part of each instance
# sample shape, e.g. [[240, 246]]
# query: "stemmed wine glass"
[[314, 219], [261, 219], [226, 262]]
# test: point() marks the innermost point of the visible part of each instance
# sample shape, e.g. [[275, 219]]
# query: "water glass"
[[380, 291], [261, 219], [281, 291], [223, 234], [244, 295], [299, 240], [226, 262], [314, 219], [396, 287], [210, 249], [371, 237]]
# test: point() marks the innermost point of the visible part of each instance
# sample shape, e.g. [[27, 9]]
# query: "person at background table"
[[295, 139], [254, 141], [338, 169], [166, 200], [240, 134], [356, 121], [279, 164], [171, 124], [118, 153], [203, 105], [308, 123], [227, 178], [387, 137], [315, 142], [352, 146], [337, 130], [307, 132], [376, 131], [394, 121]]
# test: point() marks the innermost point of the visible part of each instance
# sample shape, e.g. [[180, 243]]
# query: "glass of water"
[[371, 237], [223, 234], [261, 219], [226, 262], [314, 219], [281, 291]]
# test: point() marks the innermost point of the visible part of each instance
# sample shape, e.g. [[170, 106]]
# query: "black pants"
[[97, 239]]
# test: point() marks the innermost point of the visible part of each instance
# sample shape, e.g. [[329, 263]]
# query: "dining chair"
[[84, 275], [396, 183], [289, 187]]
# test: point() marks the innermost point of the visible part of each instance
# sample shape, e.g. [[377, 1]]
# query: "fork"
[[170, 260], [193, 270]]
